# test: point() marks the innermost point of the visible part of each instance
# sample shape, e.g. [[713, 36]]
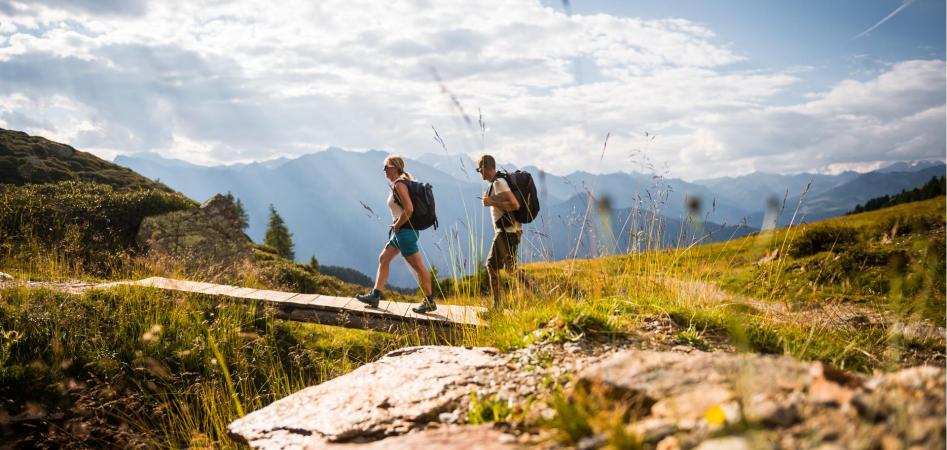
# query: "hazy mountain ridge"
[[843, 198]]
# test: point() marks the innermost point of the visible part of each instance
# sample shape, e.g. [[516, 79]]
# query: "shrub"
[[94, 225], [908, 224], [819, 238]]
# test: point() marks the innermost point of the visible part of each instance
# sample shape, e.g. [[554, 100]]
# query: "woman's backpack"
[[422, 198]]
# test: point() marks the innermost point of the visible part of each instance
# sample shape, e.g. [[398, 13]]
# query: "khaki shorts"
[[503, 251]]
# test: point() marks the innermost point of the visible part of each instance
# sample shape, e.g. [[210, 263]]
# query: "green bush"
[[903, 225], [93, 225], [819, 238]]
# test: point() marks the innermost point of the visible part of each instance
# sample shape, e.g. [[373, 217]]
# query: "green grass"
[[177, 366], [489, 409]]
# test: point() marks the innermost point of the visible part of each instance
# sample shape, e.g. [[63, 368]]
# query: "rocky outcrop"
[[402, 391], [208, 239], [418, 397], [686, 400]]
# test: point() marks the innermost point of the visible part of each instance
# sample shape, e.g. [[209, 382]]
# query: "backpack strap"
[[395, 191], [499, 175], [507, 217]]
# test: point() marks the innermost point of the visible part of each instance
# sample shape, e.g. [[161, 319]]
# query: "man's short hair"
[[487, 162]]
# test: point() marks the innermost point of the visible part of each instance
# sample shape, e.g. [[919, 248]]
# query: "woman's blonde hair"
[[398, 163]]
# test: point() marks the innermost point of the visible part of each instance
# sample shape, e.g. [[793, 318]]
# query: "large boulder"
[[403, 391], [208, 240]]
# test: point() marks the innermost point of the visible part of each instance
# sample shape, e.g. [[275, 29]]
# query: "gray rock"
[[725, 443], [683, 386], [448, 417], [480, 437], [5, 277], [771, 413], [401, 391], [652, 430]]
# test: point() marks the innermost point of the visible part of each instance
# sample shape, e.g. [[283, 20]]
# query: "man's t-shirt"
[[500, 186]]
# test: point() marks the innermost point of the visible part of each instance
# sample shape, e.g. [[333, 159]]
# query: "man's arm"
[[504, 200]]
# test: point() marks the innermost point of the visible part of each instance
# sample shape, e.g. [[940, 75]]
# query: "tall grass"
[[179, 366]]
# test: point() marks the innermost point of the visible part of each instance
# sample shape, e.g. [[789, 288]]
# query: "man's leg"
[[511, 260], [494, 276], [493, 269]]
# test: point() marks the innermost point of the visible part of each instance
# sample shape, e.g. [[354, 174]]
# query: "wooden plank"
[[305, 299], [270, 296], [241, 292], [325, 309], [220, 289]]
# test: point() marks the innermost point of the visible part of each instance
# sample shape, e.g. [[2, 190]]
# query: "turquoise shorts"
[[405, 240]]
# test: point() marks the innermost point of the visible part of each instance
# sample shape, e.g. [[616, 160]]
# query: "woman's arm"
[[401, 190]]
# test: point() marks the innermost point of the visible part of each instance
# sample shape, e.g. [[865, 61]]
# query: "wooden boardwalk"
[[325, 309]]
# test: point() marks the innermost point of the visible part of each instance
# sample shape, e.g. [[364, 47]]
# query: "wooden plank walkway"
[[325, 309]]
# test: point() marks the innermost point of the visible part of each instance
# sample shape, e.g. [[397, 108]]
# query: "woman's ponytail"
[[398, 163]]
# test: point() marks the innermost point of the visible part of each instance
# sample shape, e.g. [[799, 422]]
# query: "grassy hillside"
[[890, 259], [34, 159], [863, 292]]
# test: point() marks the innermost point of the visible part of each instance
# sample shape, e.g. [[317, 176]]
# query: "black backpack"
[[524, 189], [422, 198]]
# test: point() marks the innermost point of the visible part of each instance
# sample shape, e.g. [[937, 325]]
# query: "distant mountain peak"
[[910, 166]]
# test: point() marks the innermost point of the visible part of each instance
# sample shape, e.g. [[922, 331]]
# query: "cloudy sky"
[[701, 88]]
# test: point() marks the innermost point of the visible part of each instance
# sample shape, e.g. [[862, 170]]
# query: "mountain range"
[[334, 203]]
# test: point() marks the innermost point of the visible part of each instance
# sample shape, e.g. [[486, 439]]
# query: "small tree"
[[313, 262], [278, 235], [241, 211]]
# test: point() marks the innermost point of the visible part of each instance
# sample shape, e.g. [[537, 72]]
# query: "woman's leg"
[[384, 260], [424, 276]]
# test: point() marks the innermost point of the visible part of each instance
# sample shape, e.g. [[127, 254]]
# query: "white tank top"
[[396, 209]]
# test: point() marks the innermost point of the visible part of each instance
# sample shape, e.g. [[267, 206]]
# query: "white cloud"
[[230, 81], [898, 115]]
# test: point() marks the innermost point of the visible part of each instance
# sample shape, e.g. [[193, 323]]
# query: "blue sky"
[[728, 87], [815, 34]]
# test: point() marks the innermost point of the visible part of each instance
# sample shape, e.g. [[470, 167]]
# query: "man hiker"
[[507, 231]]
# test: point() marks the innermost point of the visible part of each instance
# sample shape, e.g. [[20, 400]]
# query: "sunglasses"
[[479, 169], [388, 167]]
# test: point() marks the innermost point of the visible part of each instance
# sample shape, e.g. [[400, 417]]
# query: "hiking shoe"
[[425, 307], [370, 299]]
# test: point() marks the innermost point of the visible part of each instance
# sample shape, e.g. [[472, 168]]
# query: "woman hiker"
[[403, 239]]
